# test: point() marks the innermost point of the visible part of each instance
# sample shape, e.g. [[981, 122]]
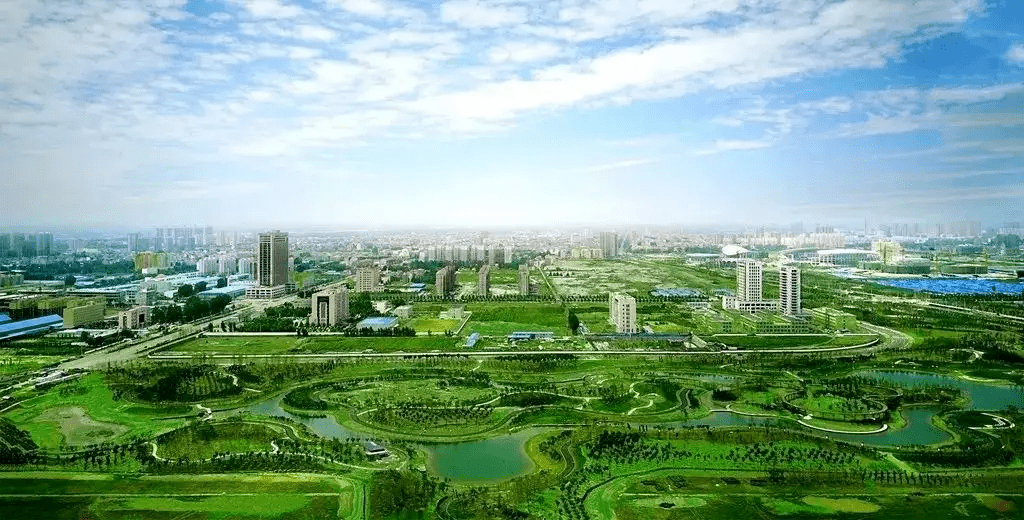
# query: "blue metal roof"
[[13, 329], [382, 322], [4, 318]]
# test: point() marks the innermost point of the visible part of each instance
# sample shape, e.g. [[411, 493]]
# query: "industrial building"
[[87, 314], [41, 325]]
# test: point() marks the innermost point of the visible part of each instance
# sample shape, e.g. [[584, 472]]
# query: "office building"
[[134, 244], [483, 284], [524, 278], [749, 280], [87, 314], [134, 318], [789, 290], [622, 313], [272, 259], [329, 307], [609, 244], [749, 276], [444, 281], [44, 244], [368, 279]]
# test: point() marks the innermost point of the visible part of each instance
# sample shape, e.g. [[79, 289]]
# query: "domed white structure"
[[734, 250]]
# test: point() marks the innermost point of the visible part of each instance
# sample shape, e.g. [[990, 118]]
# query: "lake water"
[[505, 457], [983, 396], [497, 458], [952, 285]]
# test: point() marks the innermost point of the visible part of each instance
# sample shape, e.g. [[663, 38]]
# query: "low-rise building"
[[829, 318], [135, 318], [261, 292], [87, 314]]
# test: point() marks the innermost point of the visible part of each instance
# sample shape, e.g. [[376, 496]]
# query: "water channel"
[[505, 456]]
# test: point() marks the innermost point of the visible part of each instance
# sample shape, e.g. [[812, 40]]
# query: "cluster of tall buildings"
[[749, 289], [496, 254], [26, 245]]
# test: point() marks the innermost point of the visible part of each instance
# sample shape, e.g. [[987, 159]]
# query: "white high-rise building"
[[330, 307], [226, 265], [207, 266], [622, 313], [246, 266], [749, 276], [789, 290]]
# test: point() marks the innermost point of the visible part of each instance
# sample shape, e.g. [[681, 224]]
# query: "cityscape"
[[511, 259]]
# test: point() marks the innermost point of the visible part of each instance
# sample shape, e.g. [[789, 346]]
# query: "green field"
[[637, 277], [85, 412], [75, 496]]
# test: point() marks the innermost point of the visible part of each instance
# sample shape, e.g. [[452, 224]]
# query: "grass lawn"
[[435, 325], [87, 413], [191, 496], [13, 364], [501, 318], [204, 440]]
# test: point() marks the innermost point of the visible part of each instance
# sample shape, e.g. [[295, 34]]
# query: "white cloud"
[[733, 145], [523, 52], [477, 14], [1016, 54], [275, 9], [377, 8]]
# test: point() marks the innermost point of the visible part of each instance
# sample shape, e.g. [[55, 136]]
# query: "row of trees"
[[193, 309]]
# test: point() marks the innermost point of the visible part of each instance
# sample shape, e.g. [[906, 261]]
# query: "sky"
[[510, 112]]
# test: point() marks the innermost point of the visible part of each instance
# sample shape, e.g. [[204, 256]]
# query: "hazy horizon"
[[509, 114]]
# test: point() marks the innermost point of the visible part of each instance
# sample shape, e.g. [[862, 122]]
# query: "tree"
[[195, 308], [69, 280], [218, 303], [174, 314], [574, 322], [198, 287], [185, 291], [361, 305], [222, 282]]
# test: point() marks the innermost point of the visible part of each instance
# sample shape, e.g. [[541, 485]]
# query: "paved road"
[[617, 352]]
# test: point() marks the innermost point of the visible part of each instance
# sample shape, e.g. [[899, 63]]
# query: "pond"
[[497, 458], [952, 285], [325, 426], [983, 396]]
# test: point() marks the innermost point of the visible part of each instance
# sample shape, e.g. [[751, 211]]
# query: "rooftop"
[[13, 329]]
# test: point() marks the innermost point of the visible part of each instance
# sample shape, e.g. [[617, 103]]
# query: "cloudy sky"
[[509, 112]]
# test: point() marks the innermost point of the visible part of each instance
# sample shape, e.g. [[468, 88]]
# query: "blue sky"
[[510, 112]]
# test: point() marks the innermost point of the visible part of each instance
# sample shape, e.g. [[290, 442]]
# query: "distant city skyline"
[[376, 114]]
